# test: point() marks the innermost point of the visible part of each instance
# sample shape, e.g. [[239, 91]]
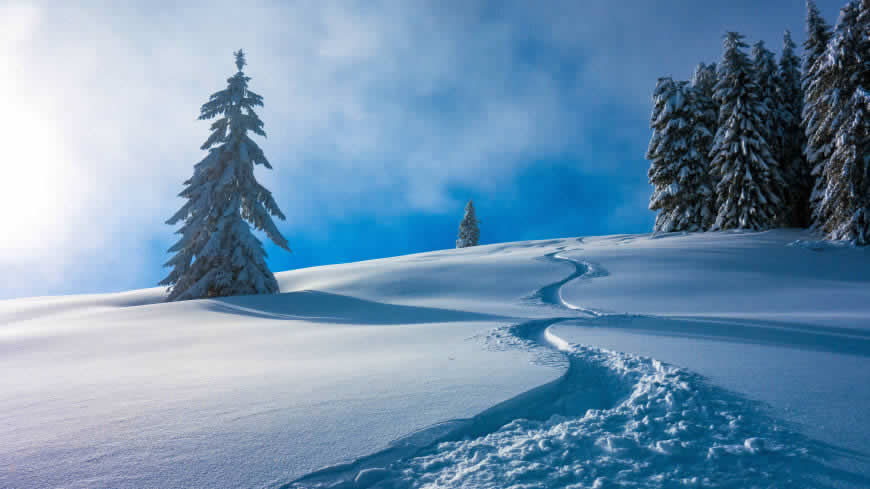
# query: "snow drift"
[[414, 372]]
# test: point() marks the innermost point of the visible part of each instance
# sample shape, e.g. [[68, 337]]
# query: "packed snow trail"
[[611, 420]]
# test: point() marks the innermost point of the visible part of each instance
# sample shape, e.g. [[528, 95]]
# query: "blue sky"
[[383, 118]]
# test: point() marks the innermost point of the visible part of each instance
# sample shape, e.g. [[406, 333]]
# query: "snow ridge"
[[611, 420]]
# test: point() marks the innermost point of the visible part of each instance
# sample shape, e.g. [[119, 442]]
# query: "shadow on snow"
[[324, 307]]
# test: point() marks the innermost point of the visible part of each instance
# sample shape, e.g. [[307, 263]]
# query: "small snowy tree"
[[748, 178], [790, 138], [842, 90], [217, 254], [677, 151], [469, 232], [814, 83]]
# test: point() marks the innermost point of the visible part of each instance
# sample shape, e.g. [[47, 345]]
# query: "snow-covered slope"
[[479, 367]]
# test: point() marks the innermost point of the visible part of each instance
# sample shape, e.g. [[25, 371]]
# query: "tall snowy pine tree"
[[677, 151], [790, 139], [765, 75], [842, 89], [705, 115], [748, 178], [217, 254], [814, 83], [469, 233]]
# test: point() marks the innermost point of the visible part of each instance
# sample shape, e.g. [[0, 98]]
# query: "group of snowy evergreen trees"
[[755, 144]]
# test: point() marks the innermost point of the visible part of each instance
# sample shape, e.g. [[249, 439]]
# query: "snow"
[[756, 276], [789, 328], [730, 359]]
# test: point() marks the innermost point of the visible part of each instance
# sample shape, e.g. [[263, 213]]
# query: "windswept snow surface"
[[415, 372]]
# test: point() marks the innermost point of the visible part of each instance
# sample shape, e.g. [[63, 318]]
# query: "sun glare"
[[31, 188]]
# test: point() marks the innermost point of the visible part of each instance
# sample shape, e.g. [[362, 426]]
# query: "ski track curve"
[[610, 420]]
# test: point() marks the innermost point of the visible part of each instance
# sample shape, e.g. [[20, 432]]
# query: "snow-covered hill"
[[703, 360]]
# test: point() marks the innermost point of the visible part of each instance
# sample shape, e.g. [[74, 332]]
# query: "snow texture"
[[612, 420], [413, 372]]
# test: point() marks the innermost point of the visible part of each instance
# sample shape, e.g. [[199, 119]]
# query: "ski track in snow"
[[611, 420]]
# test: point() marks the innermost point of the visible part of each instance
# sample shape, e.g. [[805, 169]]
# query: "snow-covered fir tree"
[[814, 83], [840, 92], [705, 121], [469, 232], [677, 151], [704, 80], [748, 179], [790, 139], [217, 254], [765, 75]]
